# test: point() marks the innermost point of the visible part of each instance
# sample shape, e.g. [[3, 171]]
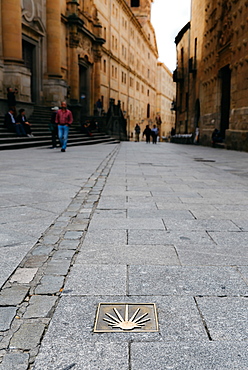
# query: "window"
[[104, 66], [135, 3]]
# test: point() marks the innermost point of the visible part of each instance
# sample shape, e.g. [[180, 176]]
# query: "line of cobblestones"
[[29, 297]]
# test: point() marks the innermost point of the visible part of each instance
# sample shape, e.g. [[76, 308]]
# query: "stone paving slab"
[[189, 355], [226, 317], [198, 255], [231, 239], [15, 361], [128, 254], [116, 237], [184, 273], [119, 224], [28, 336], [197, 225], [13, 295], [6, 316], [195, 281], [40, 306], [56, 356], [179, 319], [97, 280]]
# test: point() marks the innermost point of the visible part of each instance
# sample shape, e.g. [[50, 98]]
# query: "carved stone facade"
[[215, 79], [166, 94], [80, 51]]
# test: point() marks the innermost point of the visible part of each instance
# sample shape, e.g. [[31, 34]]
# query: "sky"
[[168, 17]]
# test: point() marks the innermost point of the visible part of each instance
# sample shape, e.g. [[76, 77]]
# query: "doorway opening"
[[29, 57]]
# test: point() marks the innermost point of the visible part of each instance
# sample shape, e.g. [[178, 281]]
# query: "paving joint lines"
[[31, 294]]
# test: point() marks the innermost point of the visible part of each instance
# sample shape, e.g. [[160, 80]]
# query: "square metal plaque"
[[126, 317]]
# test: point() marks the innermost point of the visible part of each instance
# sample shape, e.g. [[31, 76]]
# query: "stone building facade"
[[80, 51], [215, 76], [166, 94]]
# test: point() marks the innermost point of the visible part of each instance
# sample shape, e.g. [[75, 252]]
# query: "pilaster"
[[11, 31]]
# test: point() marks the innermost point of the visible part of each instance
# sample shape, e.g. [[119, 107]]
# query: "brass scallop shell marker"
[[126, 317]]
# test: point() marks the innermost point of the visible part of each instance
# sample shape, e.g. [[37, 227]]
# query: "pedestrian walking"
[[154, 132], [53, 127], [99, 107], [137, 132], [64, 120], [147, 134]]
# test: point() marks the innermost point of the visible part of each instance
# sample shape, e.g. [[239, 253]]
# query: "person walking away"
[[154, 134], [147, 134], [99, 107], [137, 132], [11, 125], [53, 127], [64, 120], [22, 119]]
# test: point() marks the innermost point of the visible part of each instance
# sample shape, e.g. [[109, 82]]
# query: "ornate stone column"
[[97, 75], [11, 31], [53, 14]]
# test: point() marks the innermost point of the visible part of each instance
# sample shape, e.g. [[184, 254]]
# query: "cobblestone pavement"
[[134, 223]]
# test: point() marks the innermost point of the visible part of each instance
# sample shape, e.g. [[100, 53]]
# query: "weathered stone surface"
[[97, 280], [50, 284], [189, 355], [57, 267], [6, 316], [23, 275], [15, 361], [204, 280], [42, 249], [27, 336], [73, 235], [88, 355], [225, 317], [128, 254], [13, 295], [39, 306]]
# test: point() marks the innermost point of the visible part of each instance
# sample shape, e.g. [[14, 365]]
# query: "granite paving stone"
[[244, 272], [39, 306], [116, 237], [75, 317], [50, 284], [73, 235], [97, 279], [120, 223], [15, 361], [13, 295], [6, 316], [42, 250], [91, 356], [226, 317], [128, 254], [23, 275], [197, 255], [27, 336], [189, 355], [68, 244], [57, 267], [184, 280], [177, 238]]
